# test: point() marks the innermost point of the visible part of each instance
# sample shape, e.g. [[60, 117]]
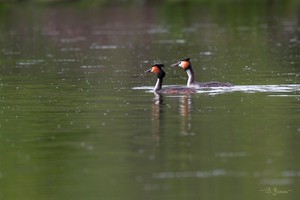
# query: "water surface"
[[78, 120]]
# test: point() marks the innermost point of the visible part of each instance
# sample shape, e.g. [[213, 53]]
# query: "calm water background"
[[73, 126]]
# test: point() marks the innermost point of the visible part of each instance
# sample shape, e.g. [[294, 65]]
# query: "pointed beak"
[[147, 71], [176, 64]]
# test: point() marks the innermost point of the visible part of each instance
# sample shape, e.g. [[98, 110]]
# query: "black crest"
[[186, 59], [159, 65]]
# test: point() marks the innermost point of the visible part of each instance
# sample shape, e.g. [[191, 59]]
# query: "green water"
[[73, 126]]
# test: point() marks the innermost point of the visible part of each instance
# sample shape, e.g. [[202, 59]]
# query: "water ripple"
[[284, 88], [251, 89], [266, 177]]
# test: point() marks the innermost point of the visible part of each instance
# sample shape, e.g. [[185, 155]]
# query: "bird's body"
[[157, 69], [187, 66]]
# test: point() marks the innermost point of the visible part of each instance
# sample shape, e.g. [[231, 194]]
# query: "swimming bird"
[[187, 66], [157, 69]]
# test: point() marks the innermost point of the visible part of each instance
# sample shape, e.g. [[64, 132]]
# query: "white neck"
[[158, 84], [190, 74]]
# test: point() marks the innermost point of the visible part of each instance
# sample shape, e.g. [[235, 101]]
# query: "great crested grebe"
[[157, 69], [187, 66]]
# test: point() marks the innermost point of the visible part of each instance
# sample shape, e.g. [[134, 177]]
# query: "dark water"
[[77, 120]]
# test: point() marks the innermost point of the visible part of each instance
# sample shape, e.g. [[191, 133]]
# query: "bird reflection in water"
[[185, 108], [157, 110]]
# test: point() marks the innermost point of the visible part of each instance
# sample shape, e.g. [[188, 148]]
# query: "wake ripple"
[[283, 88]]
